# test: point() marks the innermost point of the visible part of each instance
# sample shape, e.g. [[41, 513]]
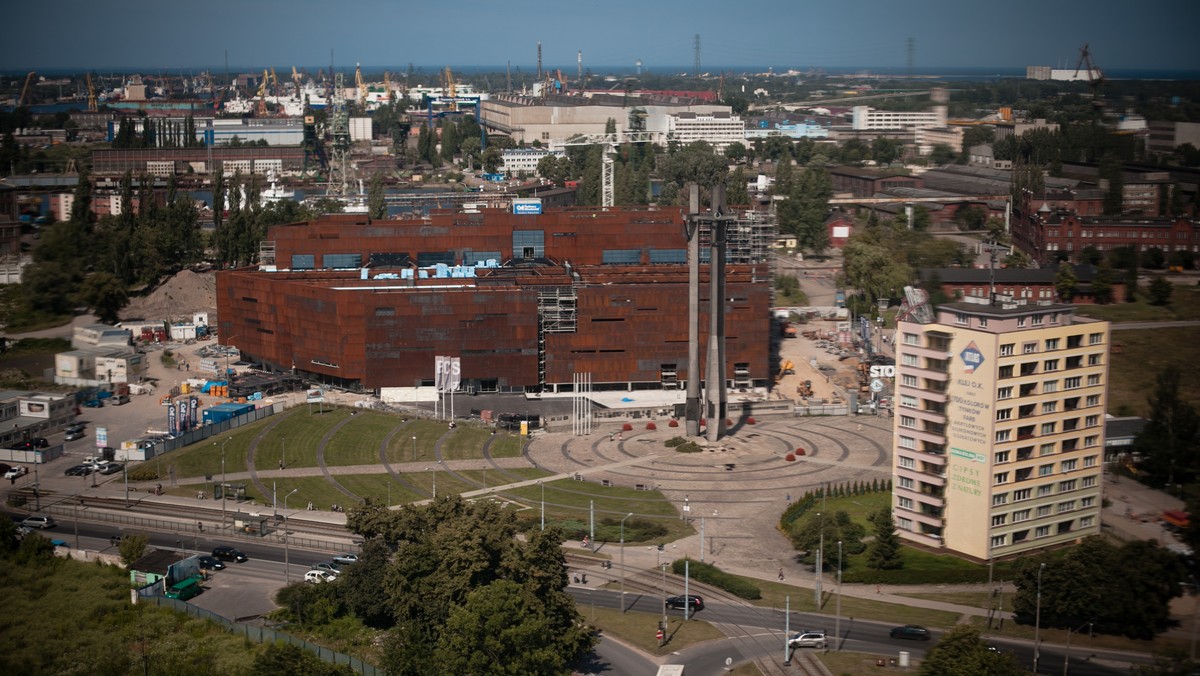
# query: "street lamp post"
[[223, 484], [837, 623], [543, 504], [623, 562], [664, 601], [1067, 654], [1037, 622], [76, 506], [287, 568], [414, 458]]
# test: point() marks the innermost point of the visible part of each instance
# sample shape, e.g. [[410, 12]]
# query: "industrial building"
[[999, 426], [527, 119], [527, 297]]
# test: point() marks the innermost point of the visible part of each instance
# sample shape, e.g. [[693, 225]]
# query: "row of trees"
[[453, 590], [157, 132]]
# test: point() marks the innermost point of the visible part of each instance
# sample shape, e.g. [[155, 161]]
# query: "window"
[[1093, 400], [1003, 435], [999, 520], [1004, 393], [904, 523], [1093, 360], [1068, 506], [912, 339], [1029, 348], [906, 503], [1038, 319], [905, 482], [1046, 449], [1091, 420], [1006, 371], [1048, 428], [1087, 502], [909, 360], [1070, 465], [1088, 482], [909, 380], [1041, 532], [999, 540], [999, 499], [1092, 440], [1073, 383], [960, 319], [1069, 485], [1001, 478], [1021, 515], [1087, 521], [908, 421], [1045, 470], [907, 442], [1006, 350], [1049, 407], [1045, 490], [1049, 387], [1050, 365], [983, 322], [1022, 494], [1004, 414], [1095, 338], [1051, 344], [1001, 457], [1044, 510], [1090, 461], [1020, 322], [907, 463], [1093, 380]]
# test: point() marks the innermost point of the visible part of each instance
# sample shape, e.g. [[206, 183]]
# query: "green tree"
[[806, 210], [1169, 443], [376, 200], [105, 295], [942, 154], [921, 219], [961, 652], [1159, 291], [695, 163], [874, 269], [133, 547], [737, 194], [1065, 281], [736, 152], [1090, 255], [837, 527], [884, 552]]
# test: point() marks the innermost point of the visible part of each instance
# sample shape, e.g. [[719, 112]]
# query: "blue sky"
[[173, 34]]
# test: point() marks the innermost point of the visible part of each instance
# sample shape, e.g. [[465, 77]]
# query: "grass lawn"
[[802, 601], [296, 440], [357, 442], [1185, 304], [379, 487], [204, 458], [426, 432], [1144, 355], [313, 489], [853, 664], [1079, 640], [966, 598], [638, 629]]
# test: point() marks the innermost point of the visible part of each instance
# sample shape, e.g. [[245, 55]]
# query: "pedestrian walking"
[[781, 575], [200, 526]]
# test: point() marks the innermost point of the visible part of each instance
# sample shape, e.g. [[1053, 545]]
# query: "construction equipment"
[[360, 84], [92, 105], [451, 90], [274, 83], [1095, 77], [296, 79], [609, 143], [787, 369], [25, 90], [262, 96]]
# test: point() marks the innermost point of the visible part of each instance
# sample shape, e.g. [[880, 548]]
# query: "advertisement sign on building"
[[171, 428], [527, 206], [183, 415]]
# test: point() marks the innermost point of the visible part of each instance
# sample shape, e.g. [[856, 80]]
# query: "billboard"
[[315, 396], [527, 206], [447, 373]]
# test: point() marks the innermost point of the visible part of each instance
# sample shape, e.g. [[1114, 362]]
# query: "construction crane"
[[262, 96], [1095, 77], [92, 106], [274, 83], [609, 144], [360, 84], [25, 89], [451, 90], [296, 79]]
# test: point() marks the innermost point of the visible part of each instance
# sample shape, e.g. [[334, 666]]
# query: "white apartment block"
[[718, 129], [524, 160], [868, 118], [998, 435]]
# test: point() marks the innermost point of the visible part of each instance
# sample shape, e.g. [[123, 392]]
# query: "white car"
[[808, 639], [318, 576], [16, 472]]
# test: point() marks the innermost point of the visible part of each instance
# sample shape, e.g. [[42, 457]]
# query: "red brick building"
[[1046, 233], [526, 301], [865, 182], [1035, 285]]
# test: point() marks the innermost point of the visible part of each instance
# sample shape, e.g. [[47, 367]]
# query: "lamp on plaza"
[[543, 504], [623, 561], [1037, 622], [837, 623], [414, 458], [287, 568]]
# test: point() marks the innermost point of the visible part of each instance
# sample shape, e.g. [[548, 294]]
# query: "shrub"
[[143, 472], [710, 574]]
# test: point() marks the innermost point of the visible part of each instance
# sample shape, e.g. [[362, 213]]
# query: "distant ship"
[[276, 193]]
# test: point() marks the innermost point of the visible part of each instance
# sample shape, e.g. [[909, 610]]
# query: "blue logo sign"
[[527, 207], [972, 357]]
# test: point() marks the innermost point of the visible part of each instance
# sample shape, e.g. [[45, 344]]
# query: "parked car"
[[4, 467], [73, 435], [111, 468], [692, 600], [93, 403], [38, 521], [41, 442], [75, 427], [808, 639], [211, 563], [910, 631], [16, 472], [227, 553], [345, 559], [330, 568], [79, 470], [318, 576]]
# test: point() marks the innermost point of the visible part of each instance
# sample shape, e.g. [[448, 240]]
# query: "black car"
[[79, 470], [910, 631], [211, 563], [229, 554], [111, 468], [695, 602], [75, 427]]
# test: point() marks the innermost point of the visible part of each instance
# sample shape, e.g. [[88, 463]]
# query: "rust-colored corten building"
[[526, 301]]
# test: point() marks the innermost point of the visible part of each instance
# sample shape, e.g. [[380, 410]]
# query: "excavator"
[[787, 369]]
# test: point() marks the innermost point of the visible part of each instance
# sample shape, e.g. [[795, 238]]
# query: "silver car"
[[808, 639]]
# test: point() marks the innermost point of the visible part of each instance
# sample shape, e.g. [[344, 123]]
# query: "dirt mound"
[[177, 298]]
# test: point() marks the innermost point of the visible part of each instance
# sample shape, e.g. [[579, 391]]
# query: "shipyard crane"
[[360, 85], [451, 90], [25, 90], [1095, 77], [274, 83], [609, 144], [262, 96], [296, 79], [92, 106]]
